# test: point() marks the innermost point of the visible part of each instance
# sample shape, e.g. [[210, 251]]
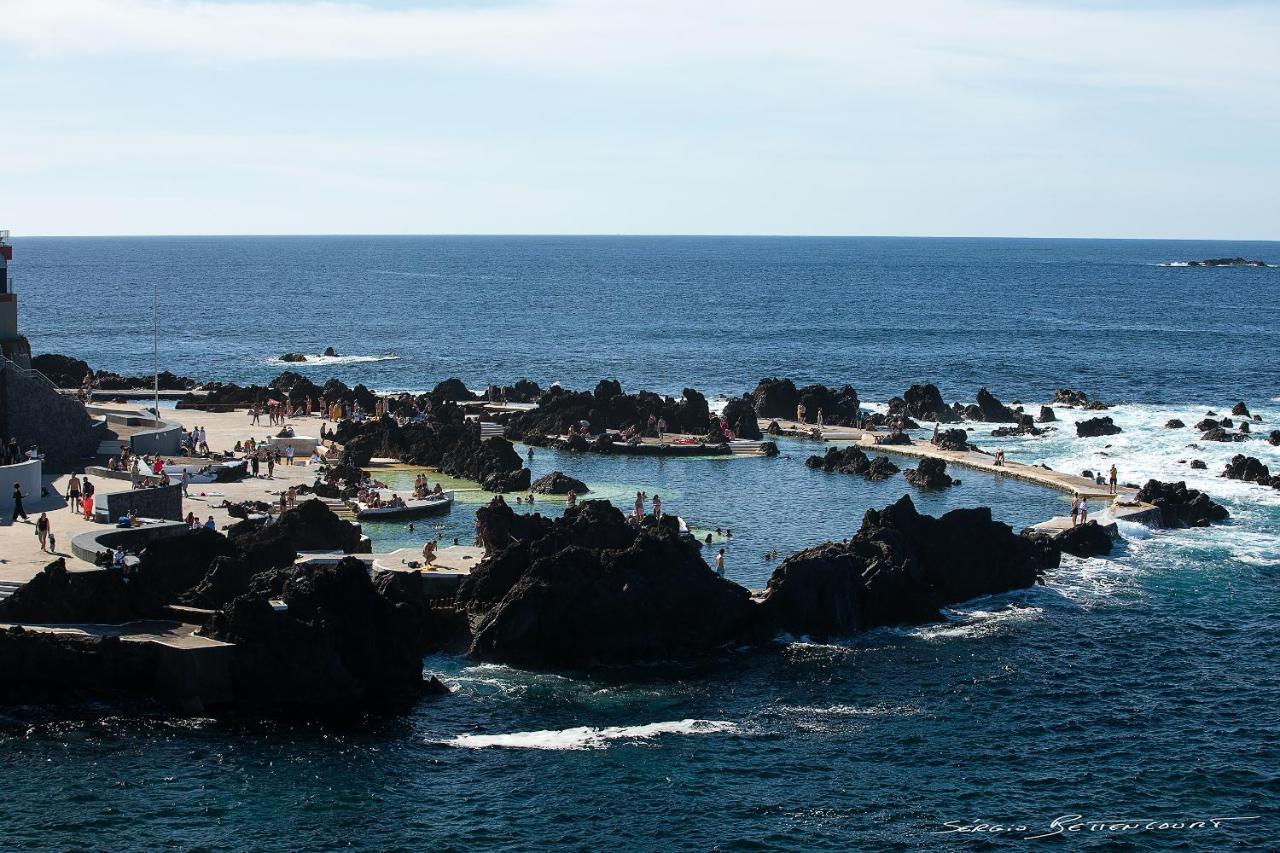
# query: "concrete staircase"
[[7, 588]]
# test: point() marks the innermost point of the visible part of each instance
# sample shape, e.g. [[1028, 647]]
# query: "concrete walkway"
[[1071, 484]]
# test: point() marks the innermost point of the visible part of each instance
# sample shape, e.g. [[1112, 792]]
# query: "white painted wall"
[[26, 473]]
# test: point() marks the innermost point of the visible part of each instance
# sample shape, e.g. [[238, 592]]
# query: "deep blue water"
[[1143, 685]]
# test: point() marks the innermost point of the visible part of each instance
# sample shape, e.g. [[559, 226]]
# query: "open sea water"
[[1142, 687]]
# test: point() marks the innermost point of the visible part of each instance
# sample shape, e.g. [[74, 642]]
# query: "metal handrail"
[[29, 372]]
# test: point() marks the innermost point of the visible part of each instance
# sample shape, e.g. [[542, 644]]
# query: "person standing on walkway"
[[819, 419], [288, 454], [42, 530], [1075, 508], [800, 413], [657, 508], [637, 511], [186, 481], [1114, 478], [18, 510], [271, 465], [73, 493], [1084, 510], [254, 462], [662, 427]]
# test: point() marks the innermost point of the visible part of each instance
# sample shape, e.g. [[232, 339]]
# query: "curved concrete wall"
[[28, 475], [164, 439], [88, 545]]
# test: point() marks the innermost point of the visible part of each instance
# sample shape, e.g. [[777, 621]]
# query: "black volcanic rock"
[[293, 357], [1220, 434], [62, 370], [329, 352], [592, 589], [1180, 506], [338, 648], [1093, 427], [930, 473], [924, 403], [954, 439], [991, 409], [1226, 262], [901, 567], [1174, 423], [1273, 438], [523, 391], [1199, 464], [1240, 410], [740, 413], [1085, 540], [776, 398], [851, 460], [838, 406], [609, 408], [1068, 397], [558, 483], [1250, 469], [498, 525], [451, 391], [1046, 415]]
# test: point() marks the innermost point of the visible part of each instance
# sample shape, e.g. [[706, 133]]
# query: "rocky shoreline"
[[591, 588]]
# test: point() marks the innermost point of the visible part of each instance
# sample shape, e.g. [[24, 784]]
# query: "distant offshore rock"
[[330, 353], [293, 357], [1217, 262]]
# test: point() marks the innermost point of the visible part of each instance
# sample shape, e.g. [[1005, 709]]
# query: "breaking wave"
[[587, 737], [313, 360]]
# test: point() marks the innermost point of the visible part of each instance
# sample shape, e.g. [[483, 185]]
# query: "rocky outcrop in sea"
[[1180, 506]]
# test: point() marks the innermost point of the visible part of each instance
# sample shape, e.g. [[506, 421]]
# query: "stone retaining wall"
[[34, 413], [158, 502]]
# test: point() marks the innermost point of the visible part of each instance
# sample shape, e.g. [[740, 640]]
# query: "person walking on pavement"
[[18, 510]]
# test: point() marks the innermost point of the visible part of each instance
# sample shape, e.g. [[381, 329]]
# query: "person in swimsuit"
[[73, 493]]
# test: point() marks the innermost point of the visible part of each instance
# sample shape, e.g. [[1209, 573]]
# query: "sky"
[[816, 117]]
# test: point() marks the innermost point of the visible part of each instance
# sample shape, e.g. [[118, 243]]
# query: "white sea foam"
[[588, 737], [320, 360], [853, 710]]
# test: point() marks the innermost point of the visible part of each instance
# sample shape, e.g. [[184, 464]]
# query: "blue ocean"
[[1130, 703]]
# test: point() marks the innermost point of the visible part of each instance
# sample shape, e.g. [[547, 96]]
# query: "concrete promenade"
[[1071, 484]]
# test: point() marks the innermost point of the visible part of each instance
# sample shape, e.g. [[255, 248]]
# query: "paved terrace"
[[20, 555]]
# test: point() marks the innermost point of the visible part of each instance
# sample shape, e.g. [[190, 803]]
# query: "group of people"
[[1079, 509], [196, 442], [277, 412], [422, 489], [80, 496], [802, 415], [193, 522], [637, 509]]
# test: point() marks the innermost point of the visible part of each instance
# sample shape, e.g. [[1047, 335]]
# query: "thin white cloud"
[[906, 44]]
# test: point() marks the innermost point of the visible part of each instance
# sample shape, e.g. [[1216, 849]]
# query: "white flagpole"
[[155, 345]]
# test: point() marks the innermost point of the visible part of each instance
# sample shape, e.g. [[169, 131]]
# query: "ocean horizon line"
[[634, 235]]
